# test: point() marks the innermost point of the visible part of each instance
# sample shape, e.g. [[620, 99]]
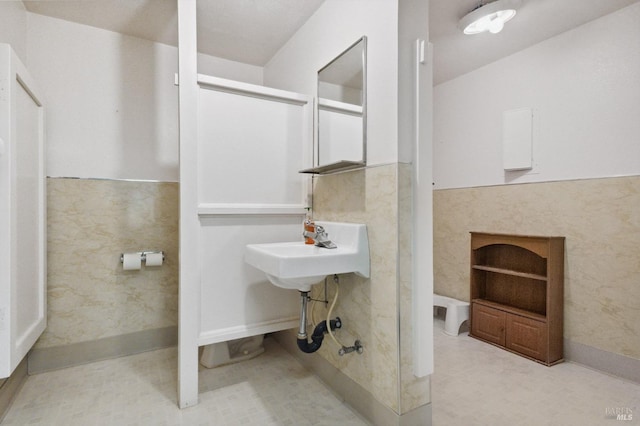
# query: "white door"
[[23, 269]]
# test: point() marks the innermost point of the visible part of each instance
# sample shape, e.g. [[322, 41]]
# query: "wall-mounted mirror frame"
[[341, 112]]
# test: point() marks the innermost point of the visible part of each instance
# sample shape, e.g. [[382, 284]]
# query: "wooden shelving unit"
[[517, 286]]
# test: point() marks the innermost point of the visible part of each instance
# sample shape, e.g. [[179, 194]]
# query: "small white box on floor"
[[237, 350], [457, 313]]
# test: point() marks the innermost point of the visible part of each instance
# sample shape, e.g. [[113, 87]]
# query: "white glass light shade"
[[497, 23], [489, 17]]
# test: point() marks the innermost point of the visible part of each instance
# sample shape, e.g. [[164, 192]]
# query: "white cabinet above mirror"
[[341, 112]]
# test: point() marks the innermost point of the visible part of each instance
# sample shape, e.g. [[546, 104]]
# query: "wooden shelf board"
[[511, 309], [509, 272]]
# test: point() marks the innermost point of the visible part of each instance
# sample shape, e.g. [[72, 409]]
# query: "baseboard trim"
[[615, 364], [350, 392], [10, 387], [54, 358], [241, 331]]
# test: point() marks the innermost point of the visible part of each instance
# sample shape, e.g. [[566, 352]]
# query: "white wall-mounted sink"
[[297, 266]]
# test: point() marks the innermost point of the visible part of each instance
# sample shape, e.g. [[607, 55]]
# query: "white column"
[[189, 304], [423, 213]]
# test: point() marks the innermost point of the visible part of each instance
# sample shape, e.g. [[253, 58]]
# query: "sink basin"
[[297, 266]]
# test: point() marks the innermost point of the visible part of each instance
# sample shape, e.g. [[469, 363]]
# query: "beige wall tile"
[[368, 307], [600, 219], [378, 311], [90, 223]]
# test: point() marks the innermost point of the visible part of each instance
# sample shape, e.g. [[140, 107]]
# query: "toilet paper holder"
[[143, 255]]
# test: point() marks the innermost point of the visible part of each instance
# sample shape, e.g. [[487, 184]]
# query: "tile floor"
[[474, 384], [479, 384], [271, 389]]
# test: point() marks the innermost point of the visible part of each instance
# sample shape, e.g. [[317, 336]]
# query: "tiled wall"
[[371, 308], [90, 297], [90, 223], [368, 307], [600, 219]]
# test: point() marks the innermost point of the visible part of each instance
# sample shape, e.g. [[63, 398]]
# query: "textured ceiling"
[[252, 31], [249, 31], [536, 20]]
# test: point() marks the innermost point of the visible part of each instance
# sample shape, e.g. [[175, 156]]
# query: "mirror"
[[342, 94]]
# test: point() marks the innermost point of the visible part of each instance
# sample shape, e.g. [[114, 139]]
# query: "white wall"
[[296, 64], [584, 87], [13, 27], [224, 68], [112, 106]]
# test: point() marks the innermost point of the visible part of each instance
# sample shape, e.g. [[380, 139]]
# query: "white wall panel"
[[517, 139], [252, 141], [334, 27], [112, 101], [250, 149], [237, 299], [584, 89], [13, 27]]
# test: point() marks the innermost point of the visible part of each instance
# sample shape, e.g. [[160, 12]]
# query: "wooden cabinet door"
[[488, 324], [527, 336]]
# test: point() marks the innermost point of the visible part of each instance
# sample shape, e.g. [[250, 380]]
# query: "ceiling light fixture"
[[489, 16]]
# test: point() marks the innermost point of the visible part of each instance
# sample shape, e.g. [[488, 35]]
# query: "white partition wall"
[[251, 145], [241, 147], [252, 141], [22, 213], [236, 299]]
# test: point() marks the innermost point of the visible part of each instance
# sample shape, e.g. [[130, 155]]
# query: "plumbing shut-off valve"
[[357, 347]]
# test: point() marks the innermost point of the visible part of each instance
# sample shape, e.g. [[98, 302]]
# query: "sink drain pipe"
[[318, 333]]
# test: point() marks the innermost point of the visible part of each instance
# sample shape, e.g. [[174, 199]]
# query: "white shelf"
[[221, 209]]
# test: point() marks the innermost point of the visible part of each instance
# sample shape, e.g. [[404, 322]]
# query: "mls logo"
[[619, 413]]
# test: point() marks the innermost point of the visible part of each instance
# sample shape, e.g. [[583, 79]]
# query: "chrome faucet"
[[320, 237]]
